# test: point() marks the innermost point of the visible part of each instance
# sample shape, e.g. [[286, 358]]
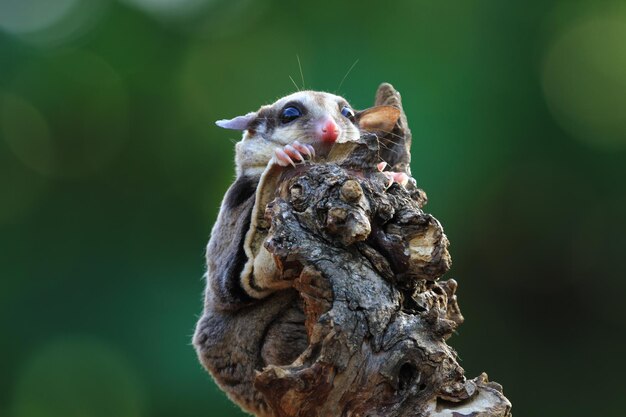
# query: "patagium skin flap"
[[252, 317]]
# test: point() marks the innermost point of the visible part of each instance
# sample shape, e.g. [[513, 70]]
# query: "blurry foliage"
[[111, 174]]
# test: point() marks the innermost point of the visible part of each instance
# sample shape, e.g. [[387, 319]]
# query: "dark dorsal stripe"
[[240, 191]]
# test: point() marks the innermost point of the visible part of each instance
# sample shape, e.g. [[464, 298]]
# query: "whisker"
[[378, 139], [345, 76], [301, 73], [382, 145], [294, 83], [391, 133]]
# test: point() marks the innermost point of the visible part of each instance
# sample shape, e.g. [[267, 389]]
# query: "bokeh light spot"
[[26, 132], [584, 81], [49, 23], [78, 377], [24, 16], [170, 8]]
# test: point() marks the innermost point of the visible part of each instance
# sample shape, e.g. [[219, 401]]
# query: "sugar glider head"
[[308, 117], [311, 117]]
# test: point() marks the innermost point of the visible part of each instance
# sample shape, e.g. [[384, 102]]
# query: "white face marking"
[[317, 109], [269, 131]]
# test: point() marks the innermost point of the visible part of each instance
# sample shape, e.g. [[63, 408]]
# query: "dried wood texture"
[[366, 260]]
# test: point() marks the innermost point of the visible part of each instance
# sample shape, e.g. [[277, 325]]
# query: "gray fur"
[[238, 335], [233, 345], [225, 255], [251, 317]]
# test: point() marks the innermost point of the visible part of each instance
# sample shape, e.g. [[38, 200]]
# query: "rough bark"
[[367, 262]]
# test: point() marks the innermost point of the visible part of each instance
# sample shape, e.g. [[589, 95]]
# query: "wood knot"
[[348, 226], [337, 215], [351, 191], [298, 200]]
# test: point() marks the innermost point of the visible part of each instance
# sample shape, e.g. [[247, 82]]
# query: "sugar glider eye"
[[290, 114], [348, 113]]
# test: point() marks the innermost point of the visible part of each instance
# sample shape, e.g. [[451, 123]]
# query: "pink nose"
[[330, 131]]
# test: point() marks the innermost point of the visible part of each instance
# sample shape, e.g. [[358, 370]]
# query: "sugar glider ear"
[[237, 123], [379, 118]]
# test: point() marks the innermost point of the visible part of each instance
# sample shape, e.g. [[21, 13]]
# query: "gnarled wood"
[[366, 260]]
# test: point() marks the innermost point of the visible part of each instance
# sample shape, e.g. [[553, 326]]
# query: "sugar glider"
[[252, 318]]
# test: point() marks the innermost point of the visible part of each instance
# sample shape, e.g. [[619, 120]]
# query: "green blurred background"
[[111, 174]]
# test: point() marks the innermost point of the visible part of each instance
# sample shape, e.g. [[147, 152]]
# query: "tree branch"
[[367, 261]]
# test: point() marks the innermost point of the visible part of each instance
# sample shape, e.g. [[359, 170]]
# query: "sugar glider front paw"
[[399, 177], [292, 154]]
